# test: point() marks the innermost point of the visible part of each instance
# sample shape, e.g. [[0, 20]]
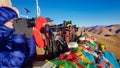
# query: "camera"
[[26, 22], [30, 22]]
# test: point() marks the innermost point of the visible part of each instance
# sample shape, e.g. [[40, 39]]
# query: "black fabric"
[[49, 19]]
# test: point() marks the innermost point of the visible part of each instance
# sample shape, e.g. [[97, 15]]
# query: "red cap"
[[40, 22], [39, 26]]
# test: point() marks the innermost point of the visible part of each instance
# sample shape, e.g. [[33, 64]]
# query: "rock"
[[5, 3]]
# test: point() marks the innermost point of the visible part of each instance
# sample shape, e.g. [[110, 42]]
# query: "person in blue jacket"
[[16, 47]]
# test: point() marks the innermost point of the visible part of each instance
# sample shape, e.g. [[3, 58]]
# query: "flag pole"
[[37, 9]]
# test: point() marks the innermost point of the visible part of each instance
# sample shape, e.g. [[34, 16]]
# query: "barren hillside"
[[105, 30], [109, 35]]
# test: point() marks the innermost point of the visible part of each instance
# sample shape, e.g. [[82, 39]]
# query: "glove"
[[29, 27], [28, 32], [20, 26]]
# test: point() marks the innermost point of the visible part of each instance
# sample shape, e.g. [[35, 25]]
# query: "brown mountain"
[[105, 30], [109, 35]]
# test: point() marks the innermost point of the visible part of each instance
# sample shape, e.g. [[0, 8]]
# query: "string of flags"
[[85, 52]]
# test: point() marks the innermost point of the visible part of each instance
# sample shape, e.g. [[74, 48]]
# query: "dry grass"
[[113, 44]]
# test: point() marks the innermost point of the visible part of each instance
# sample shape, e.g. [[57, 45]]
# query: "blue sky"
[[81, 12]]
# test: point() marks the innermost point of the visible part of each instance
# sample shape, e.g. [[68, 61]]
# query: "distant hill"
[[109, 35], [105, 30]]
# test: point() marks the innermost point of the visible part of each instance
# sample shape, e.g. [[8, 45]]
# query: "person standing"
[[16, 47]]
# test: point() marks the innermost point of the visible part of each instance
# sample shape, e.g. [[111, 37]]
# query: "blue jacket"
[[14, 49]]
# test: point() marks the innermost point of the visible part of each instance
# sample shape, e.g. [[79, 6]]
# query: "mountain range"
[[109, 35]]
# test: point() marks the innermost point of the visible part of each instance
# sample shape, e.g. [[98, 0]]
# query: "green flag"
[[63, 64], [88, 65]]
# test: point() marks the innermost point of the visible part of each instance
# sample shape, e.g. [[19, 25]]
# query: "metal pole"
[[37, 8]]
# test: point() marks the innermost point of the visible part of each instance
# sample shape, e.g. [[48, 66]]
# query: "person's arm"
[[38, 38], [22, 29], [39, 27], [32, 46]]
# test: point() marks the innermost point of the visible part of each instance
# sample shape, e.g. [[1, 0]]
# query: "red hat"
[[40, 22], [39, 26]]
